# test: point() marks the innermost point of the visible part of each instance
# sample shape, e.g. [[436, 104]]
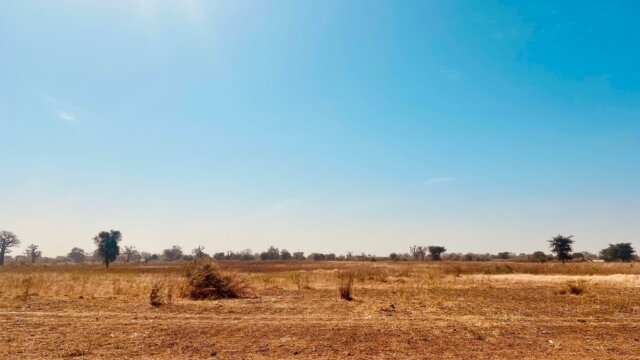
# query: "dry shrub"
[[27, 285], [572, 288], [156, 297], [346, 285], [499, 269], [301, 280], [205, 281]]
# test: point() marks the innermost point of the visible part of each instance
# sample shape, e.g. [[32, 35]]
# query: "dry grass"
[[401, 310]]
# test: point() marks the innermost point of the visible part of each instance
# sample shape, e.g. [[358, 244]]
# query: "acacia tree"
[[32, 252], [77, 255], [8, 240], [561, 246], [621, 251], [418, 252], [107, 245], [436, 252]]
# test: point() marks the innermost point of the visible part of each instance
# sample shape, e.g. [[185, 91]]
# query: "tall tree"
[[107, 245], [32, 252], [436, 252], [561, 246], [8, 240]]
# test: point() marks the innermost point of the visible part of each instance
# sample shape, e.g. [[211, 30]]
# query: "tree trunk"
[[2, 258], [107, 263]]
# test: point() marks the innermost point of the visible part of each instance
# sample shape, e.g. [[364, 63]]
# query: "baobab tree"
[[32, 252], [8, 240]]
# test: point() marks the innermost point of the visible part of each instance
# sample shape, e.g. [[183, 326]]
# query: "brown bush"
[[572, 288], [205, 281], [155, 297], [346, 285]]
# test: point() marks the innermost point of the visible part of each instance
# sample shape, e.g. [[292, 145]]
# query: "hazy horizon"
[[327, 126]]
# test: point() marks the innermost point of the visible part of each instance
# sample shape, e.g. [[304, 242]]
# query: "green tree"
[[620, 251], [107, 245], [271, 254], [77, 255], [173, 254], [436, 252], [539, 256], [285, 255], [7, 241], [561, 246]]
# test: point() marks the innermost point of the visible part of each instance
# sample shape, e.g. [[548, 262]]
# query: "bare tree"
[[199, 252], [32, 252], [7, 241], [418, 252], [128, 253]]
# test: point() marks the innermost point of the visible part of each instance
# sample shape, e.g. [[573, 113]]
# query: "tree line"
[[109, 249]]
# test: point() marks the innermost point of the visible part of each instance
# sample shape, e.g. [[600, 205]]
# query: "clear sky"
[[325, 126]]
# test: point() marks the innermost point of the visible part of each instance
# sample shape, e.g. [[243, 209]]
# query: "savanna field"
[[296, 309]]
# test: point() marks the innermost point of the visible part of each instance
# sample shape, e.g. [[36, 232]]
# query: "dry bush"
[[301, 280], [156, 297], [346, 285], [572, 288], [205, 281]]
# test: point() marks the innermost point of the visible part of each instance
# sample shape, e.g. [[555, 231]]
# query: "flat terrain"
[[401, 310]]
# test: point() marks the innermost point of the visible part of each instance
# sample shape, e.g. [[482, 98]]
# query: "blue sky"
[[320, 126]]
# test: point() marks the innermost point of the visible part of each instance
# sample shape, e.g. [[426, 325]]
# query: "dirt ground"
[[400, 311]]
